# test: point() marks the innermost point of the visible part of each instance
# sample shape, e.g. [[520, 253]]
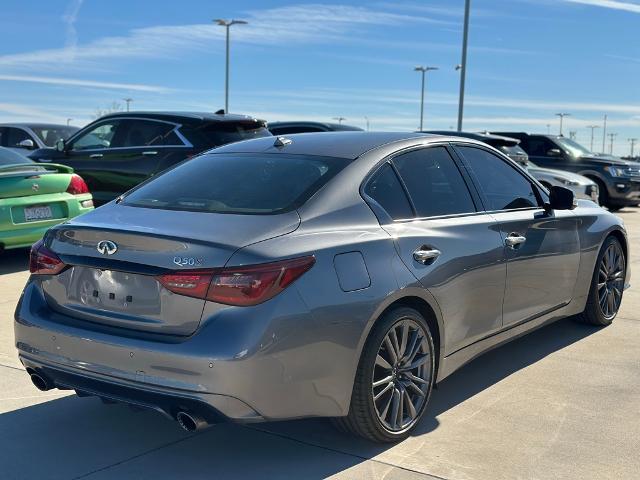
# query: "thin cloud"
[[295, 24], [612, 4], [69, 18], [85, 83]]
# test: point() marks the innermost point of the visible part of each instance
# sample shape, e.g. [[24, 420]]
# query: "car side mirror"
[[554, 152], [26, 143], [561, 198], [61, 145]]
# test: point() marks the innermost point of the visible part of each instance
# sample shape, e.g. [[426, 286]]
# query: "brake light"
[[77, 185], [43, 261], [240, 286]]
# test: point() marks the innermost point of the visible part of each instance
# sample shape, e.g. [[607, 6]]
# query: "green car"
[[35, 197]]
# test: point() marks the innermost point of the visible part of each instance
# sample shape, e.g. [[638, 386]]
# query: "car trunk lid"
[[25, 180], [116, 252]]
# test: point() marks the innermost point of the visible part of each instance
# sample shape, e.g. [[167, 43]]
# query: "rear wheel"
[[607, 285], [394, 379]]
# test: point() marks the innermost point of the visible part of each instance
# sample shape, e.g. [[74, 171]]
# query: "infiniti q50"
[[317, 275]]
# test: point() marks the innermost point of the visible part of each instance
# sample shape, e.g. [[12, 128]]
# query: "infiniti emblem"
[[106, 247]]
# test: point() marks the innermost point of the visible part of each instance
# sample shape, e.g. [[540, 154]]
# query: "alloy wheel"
[[402, 375], [611, 280]]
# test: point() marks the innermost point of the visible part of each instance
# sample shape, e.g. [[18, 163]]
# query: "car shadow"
[[70, 436], [12, 261]]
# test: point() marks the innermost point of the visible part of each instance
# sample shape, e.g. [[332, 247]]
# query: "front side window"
[[16, 135], [385, 188], [434, 182], [504, 187], [50, 135], [238, 183], [101, 136], [540, 147]]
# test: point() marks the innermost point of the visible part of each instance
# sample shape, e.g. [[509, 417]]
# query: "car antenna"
[[282, 141]]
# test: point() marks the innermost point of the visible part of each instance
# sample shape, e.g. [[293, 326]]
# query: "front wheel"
[[394, 379], [607, 285]]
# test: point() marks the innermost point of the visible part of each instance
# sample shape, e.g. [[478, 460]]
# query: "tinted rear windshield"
[[219, 133], [258, 184]]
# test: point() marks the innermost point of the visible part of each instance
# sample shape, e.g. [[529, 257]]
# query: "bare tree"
[[113, 108]]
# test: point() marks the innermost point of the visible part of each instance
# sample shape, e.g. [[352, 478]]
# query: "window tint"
[[101, 136], [434, 182], [539, 146], [50, 135], [385, 188], [240, 183], [214, 134], [16, 135], [294, 129], [147, 133], [504, 187]]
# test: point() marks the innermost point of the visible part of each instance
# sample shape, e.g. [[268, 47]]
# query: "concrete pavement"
[[561, 403]]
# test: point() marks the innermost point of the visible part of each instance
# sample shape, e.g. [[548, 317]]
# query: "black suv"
[[287, 128], [509, 146], [118, 151], [618, 180]]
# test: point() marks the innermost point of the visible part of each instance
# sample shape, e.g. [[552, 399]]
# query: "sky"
[[295, 60]]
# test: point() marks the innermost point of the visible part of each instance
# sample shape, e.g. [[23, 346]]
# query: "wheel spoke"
[[390, 350], [403, 339], [393, 335], [400, 408], [419, 361], [414, 378], [412, 386], [383, 381], [410, 406], [395, 408], [381, 362], [383, 391], [385, 410]]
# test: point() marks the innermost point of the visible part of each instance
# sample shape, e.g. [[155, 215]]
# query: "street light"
[[592, 127], [128, 100], [632, 141], [423, 70], [562, 115], [339, 119], [367, 120], [69, 121], [611, 137], [463, 65], [227, 24]]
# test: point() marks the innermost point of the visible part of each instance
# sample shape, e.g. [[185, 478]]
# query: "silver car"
[[317, 275], [23, 137], [581, 186]]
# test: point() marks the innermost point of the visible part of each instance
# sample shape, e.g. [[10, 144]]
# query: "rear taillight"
[[43, 261], [77, 185], [241, 286]]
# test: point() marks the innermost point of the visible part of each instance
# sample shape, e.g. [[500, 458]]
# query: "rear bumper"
[[18, 234], [246, 365]]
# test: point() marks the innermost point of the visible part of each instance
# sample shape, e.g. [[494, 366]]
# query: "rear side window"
[[504, 186], [238, 183], [385, 188], [434, 182], [214, 134], [148, 133]]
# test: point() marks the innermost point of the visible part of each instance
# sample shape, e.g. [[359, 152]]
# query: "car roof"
[[37, 125], [184, 116], [327, 144], [487, 137], [304, 123]]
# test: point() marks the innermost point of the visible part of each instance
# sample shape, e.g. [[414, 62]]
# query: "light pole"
[[632, 141], [562, 115], [227, 24], [339, 119], [69, 121], [604, 133], [463, 64], [611, 137], [572, 135], [592, 127], [423, 70], [367, 120], [548, 128], [128, 100]]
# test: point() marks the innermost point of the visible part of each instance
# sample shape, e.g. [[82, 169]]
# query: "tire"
[[595, 313], [614, 208], [364, 418]]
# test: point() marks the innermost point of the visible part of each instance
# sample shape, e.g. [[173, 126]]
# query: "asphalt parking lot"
[[562, 402]]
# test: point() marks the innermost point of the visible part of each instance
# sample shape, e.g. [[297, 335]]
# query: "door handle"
[[150, 153], [513, 240], [426, 255], [96, 155]]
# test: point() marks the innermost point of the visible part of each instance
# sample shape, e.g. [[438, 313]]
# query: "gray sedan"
[[333, 275]]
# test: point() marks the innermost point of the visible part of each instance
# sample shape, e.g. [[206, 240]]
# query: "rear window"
[[258, 184], [214, 134]]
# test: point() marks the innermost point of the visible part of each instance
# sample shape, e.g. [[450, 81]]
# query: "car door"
[[541, 247], [454, 250]]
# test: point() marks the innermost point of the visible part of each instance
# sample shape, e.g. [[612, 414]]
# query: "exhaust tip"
[[191, 422], [40, 382]]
